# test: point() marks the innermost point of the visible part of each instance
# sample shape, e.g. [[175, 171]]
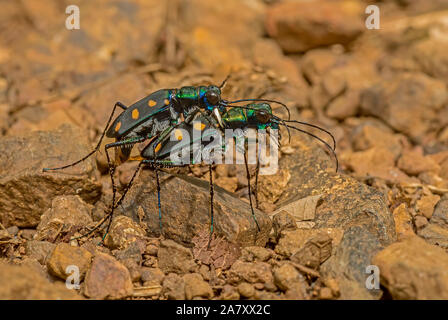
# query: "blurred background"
[[366, 86]]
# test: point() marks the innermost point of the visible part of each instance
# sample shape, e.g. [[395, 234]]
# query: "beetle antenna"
[[284, 124], [321, 140], [263, 100], [317, 127], [224, 82]]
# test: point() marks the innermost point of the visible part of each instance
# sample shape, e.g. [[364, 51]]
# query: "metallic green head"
[[260, 114], [210, 96]]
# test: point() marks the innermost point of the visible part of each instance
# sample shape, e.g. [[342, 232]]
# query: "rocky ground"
[[382, 93]]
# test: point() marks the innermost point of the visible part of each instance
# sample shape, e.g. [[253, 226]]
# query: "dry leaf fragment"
[[221, 254]]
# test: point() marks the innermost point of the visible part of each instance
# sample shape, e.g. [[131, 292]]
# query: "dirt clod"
[[107, 279]]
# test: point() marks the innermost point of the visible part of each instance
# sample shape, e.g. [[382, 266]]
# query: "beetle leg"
[[130, 141], [128, 186], [211, 205], [122, 106], [117, 104], [248, 187], [257, 172], [159, 204], [109, 216]]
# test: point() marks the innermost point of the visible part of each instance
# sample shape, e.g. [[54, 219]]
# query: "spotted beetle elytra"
[[145, 116], [151, 118]]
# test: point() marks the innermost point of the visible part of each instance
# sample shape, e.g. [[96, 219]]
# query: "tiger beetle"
[[253, 116], [154, 116]]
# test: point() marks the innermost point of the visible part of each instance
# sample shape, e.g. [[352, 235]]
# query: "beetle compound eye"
[[212, 97], [262, 116]]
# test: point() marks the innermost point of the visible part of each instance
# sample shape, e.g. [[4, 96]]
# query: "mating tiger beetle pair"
[[153, 119]]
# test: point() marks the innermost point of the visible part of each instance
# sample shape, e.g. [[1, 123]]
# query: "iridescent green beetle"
[[259, 116]]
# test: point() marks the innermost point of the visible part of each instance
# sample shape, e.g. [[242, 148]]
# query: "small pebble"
[[246, 290], [151, 250], [14, 230], [229, 293], [420, 222], [259, 286], [27, 234], [325, 294]]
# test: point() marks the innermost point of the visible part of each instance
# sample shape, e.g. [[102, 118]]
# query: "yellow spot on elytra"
[[151, 103], [178, 134], [166, 101], [136, 158], [135, 114], [118, 126], [158, 147], [199, 126]]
